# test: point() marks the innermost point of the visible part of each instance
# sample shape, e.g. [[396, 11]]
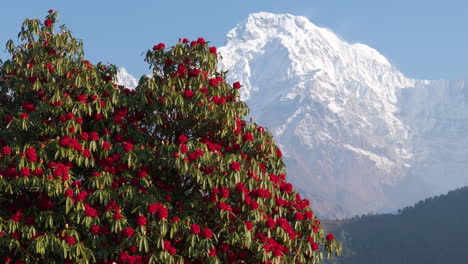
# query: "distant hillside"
[[432, 231]]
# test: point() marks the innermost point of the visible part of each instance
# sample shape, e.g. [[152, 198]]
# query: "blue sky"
[[423, 38]]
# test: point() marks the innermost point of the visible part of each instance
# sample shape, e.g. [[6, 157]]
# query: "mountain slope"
[[343, 114], [432, 231]]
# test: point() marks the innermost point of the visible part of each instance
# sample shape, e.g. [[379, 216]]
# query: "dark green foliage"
[[432, 231]]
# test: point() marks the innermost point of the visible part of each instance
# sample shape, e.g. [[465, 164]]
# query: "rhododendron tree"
[[170, 172]]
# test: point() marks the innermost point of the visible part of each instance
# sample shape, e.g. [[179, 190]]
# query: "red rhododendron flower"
[[93, 136], [86, 153], [141, 220], [153, 208], [6, 150], [28, 107], [206, 233], [298, 216], [128, 147], [224, 207], [8, 119], [169, 248], [248, 137], [182, 139], [213, 82], [330, 237], [201, 41], [188, 94], [159, 46], [308, 215], [25, 172], [235, 166], [90, 211], [70, 240], [168, 63], [195, 229], [106, 145], [128, 232], [237, 85], [254, 205], [69, 193], [48, 23], [81, 196], [315, 246], [24, 116], [17, 216], [213, 50], [183, 148], [163, 213], [279, 153], [270, 223]]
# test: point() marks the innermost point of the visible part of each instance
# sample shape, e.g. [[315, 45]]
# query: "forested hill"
[[432, 231]]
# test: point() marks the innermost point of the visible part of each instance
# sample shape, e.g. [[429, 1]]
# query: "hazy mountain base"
[[432, 231]]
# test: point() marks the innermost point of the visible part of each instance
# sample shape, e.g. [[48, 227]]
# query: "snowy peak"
[[296, 48], [126, 79], [331, 105]]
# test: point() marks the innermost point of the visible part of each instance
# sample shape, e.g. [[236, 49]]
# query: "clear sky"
[[423, 38]]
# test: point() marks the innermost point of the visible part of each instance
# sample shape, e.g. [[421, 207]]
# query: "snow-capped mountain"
[[126, 79], [358, 135]]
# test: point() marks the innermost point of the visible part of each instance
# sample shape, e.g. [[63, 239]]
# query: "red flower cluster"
[[128, 147], [169, 248], [159, 46], [248, 137], [48, 23], [6, 150], [158, 209], [28, 107], [24, 116], [188, 94], [195, 229], [90, 211], [141, 220], [128, 232], [235, 166], [206, 233]]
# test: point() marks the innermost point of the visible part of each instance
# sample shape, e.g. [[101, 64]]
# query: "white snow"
[[126, 79]]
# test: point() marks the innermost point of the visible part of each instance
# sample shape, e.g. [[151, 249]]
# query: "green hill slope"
[[432, 231]]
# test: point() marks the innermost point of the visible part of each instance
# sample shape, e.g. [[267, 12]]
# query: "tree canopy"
[[169, 172]]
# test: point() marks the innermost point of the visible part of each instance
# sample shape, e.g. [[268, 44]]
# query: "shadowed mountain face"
[[431, 232], [358, 135]]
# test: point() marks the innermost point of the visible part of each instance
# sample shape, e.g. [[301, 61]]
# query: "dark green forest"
[[434, 230]]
